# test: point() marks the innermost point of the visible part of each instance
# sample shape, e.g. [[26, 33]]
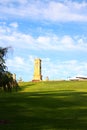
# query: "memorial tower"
[[37, 70]]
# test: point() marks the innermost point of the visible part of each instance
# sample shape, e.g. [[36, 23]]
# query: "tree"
[[3, 52], [6, 79]]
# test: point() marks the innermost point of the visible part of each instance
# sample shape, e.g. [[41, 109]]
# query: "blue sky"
[[53, 30]]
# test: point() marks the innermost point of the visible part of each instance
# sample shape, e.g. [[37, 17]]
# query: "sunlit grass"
[[59, 105]]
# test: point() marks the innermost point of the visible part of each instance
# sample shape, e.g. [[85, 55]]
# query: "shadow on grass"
[[25, 85], [61, 110]]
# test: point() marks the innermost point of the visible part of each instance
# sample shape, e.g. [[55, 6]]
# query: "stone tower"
[[37, 70]]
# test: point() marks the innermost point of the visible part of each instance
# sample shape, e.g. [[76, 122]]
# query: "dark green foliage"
[[6, 80], [3, 52]]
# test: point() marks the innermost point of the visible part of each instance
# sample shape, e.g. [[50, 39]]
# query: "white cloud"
[[68, 11], [50, 11], [14, 25], [63, 70], [21, 66], [68, 42], [16, 62], [11, 37]]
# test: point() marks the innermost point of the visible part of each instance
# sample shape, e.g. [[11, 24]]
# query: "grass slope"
[[49, 105]]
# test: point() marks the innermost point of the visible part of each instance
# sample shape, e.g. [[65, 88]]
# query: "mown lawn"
[[53, 105]]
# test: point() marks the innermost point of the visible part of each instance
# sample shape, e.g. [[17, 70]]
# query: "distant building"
[[78, 79], [81, 78], [14, 76]]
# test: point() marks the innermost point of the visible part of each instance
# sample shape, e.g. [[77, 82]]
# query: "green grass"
[[59, 105]]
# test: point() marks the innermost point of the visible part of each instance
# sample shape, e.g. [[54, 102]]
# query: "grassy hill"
[[53, 105]]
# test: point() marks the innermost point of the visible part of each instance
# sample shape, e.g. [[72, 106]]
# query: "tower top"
[[37, 59]]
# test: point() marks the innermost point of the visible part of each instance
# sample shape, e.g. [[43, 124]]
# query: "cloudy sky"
[[53, 30]]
